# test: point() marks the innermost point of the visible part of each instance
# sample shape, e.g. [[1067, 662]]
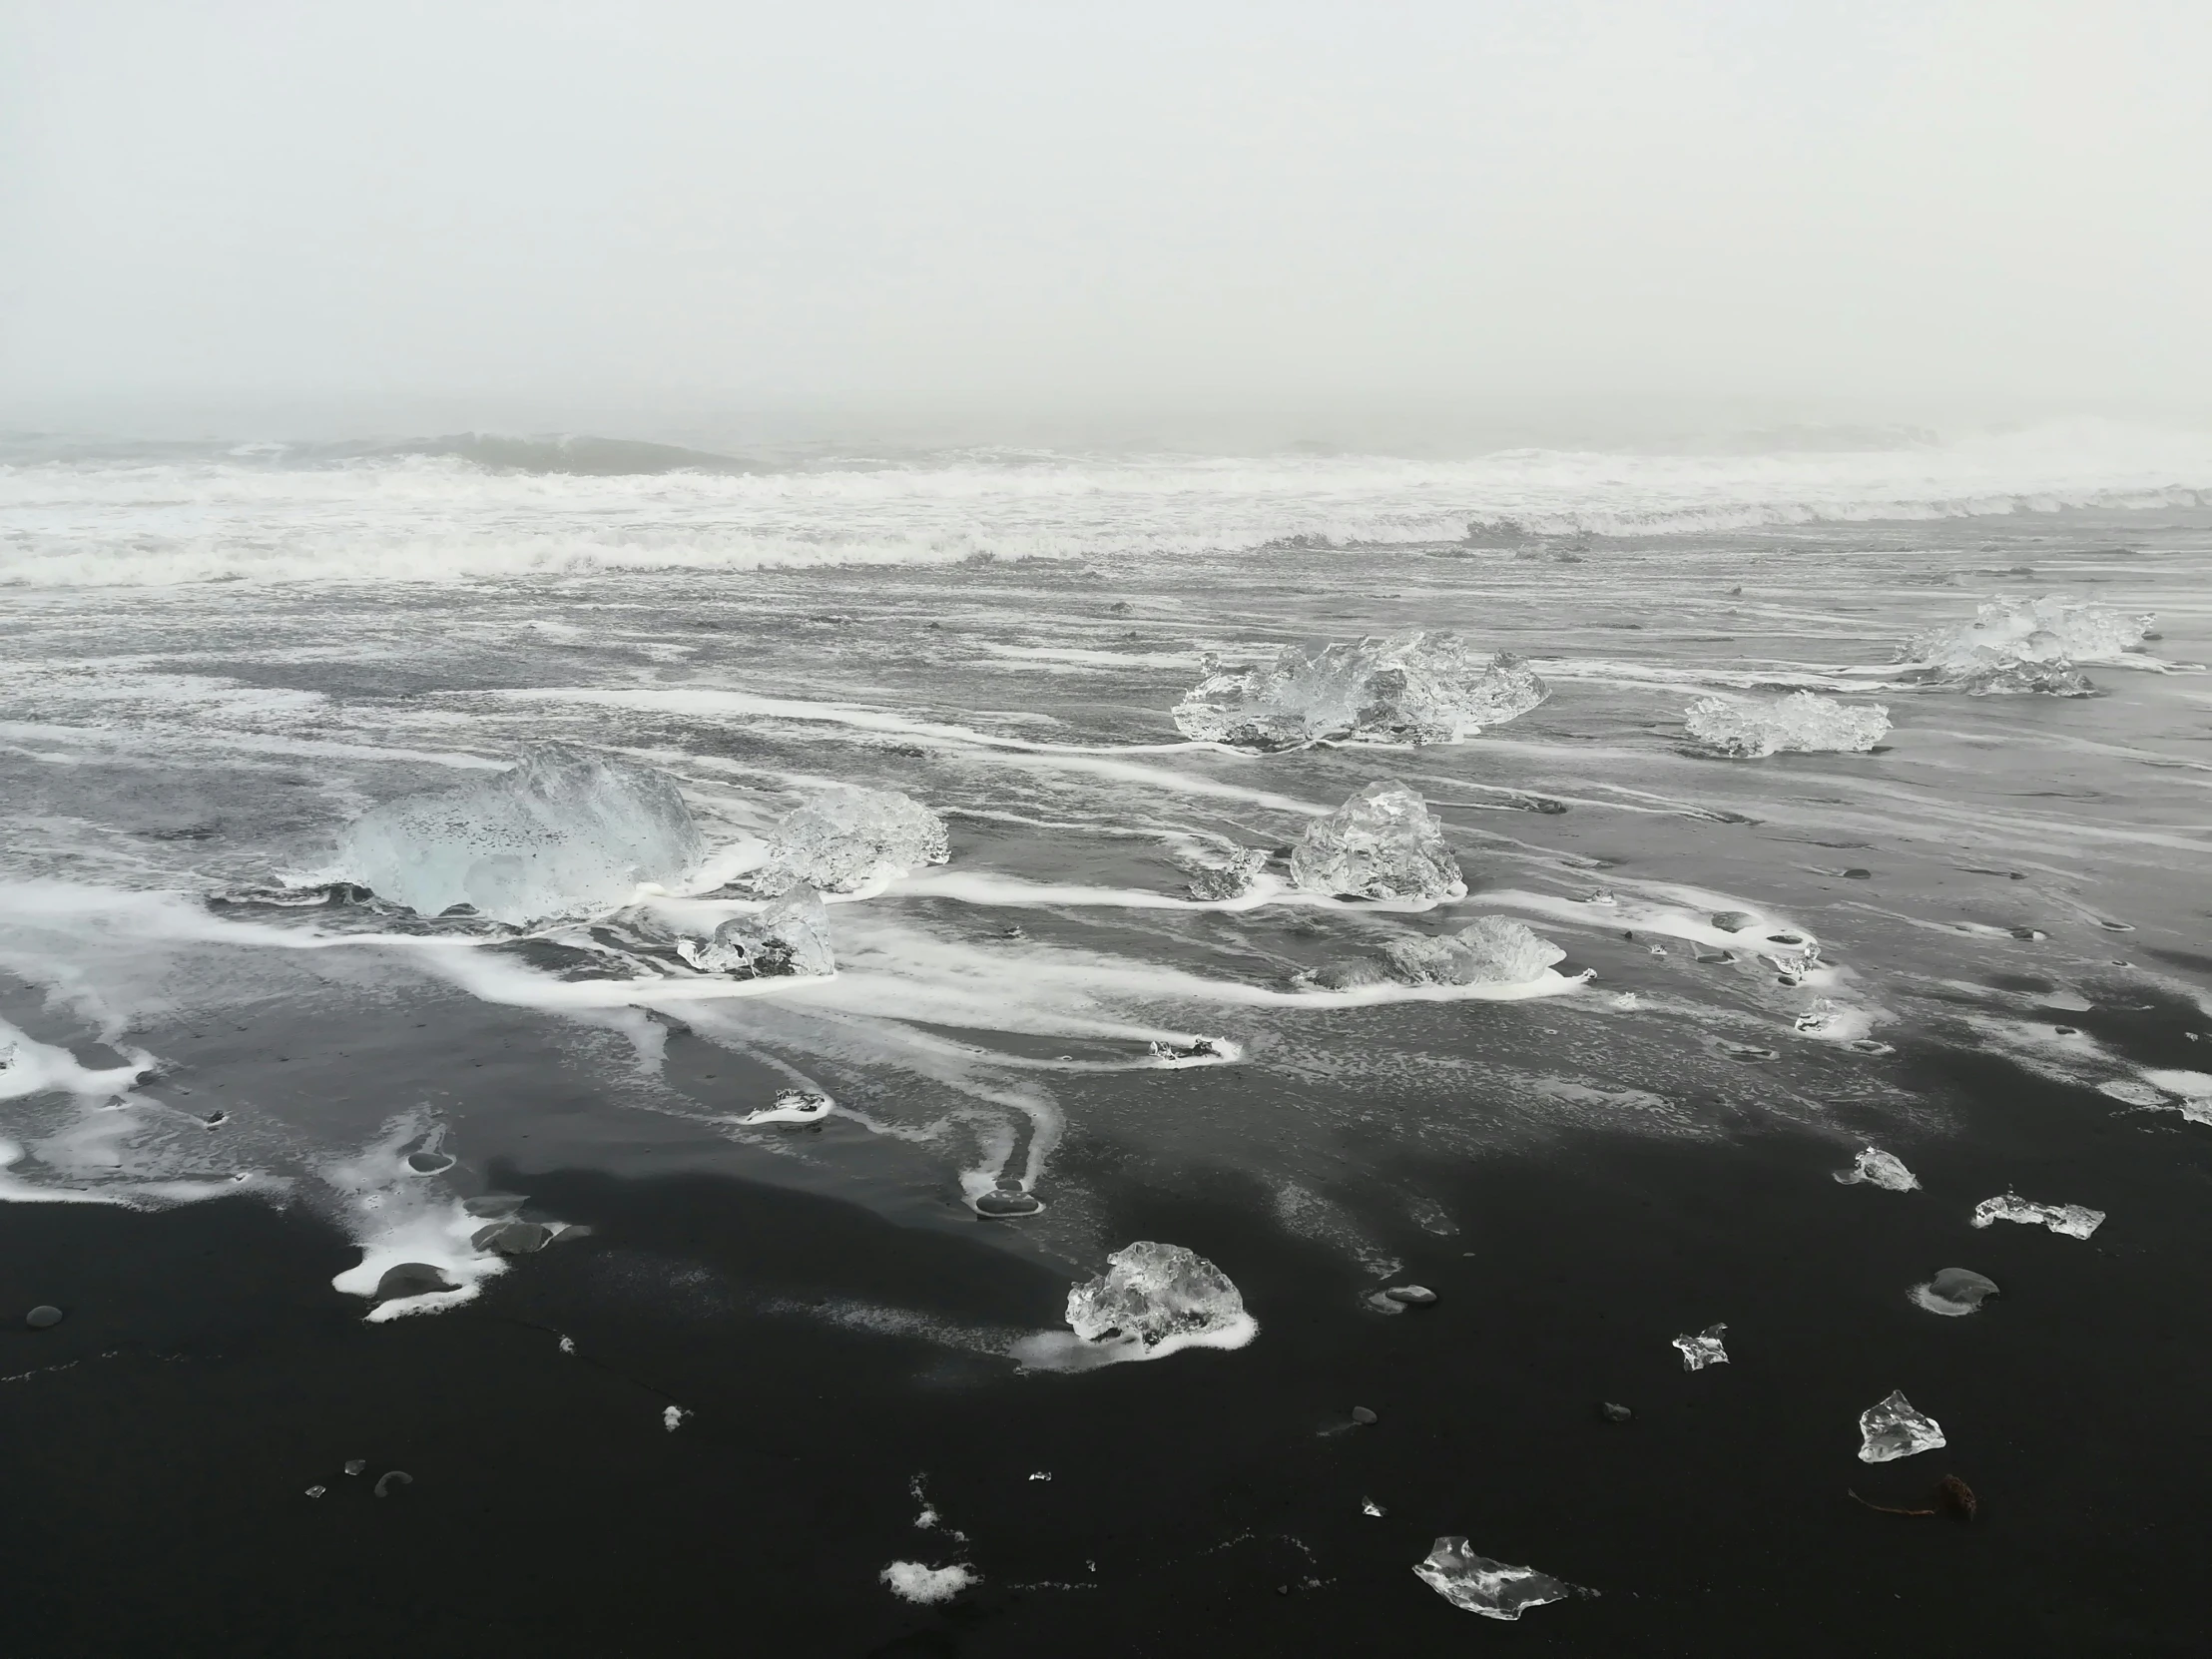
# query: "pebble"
[[385, 1480], [493, 1204], [1418, 1296], [1381, 1302], [430, 1162], [1857, 874], [1007, 1204], [1615, 1412], [1361, 1415], [356, 1466], [44, 1315]]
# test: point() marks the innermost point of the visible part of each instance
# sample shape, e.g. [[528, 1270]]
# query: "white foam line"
[[1006, 890]]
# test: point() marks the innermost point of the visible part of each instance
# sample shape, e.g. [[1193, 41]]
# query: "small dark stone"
[[1361, 1415], [1735, 921], [511, 1237], [411, 1278], [494, 1204], [1007, 1204], [430, 1162], [2029, 933], [1614, 1413], [1857, 874], [1418, 1296], [44, 1315]]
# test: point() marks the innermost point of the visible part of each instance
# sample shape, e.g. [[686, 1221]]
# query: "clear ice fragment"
[[2073, 1220], [1880, 1169], [1893, 1430], [1491, 951], [564, 832], [791, 1106], [789, 936], [1954, 1292], [845, 839], [1801, 723], [1705, 1348], [1233, 878], [1410, 688], [1154, 1292], [1382, 843], [1476, 1584]]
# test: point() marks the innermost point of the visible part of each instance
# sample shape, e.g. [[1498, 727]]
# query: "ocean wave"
[[449, 509]]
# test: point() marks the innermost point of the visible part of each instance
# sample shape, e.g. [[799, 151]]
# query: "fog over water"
[[1457, 223]]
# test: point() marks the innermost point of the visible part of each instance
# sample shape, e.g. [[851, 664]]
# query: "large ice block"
[[1491, 951], [1382, 843], [1410, 688], [1801, 723], [845, 839], [1153, 1292], [564, 832], [789, 936]]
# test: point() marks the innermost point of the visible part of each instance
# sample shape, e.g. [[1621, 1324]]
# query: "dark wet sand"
[[155, 1504]]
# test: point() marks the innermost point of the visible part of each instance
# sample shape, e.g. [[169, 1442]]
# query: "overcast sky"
[[1051, 205]]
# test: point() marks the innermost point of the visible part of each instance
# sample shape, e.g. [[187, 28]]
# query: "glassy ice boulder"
[[1476, 1584], [1892, 1430], [2023, 645], [1878, 1169], [1409, 688], [1706, 1348], [788, 936], [1382, 843], [564, 832], [1154, 1292], [1801, 723], [845, 839], [2073, 1220], [1491, 951]]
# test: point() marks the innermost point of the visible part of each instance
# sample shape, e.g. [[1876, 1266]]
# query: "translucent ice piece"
[[1232, 878], [1410, 688], [789, 936], [791, 1106], [1476, 1584], [1705, 1348], [911, 1581], [1893, 1430], [1954, 1292], [1801, 723], [845, 839], [2073, 1220], [1491, 951], [1152, 1293], [1880, 1169], [2020, 645], [1382, 843], [564, 831]]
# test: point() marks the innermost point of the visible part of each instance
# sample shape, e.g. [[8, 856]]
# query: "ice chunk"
[[1152, 1293], [1800, 723], [2074, 1221], [1705, 1348], [1476, 1584], [791, 1106], [1880, 1169], [1382, 843], [1230, 879], [1893, 1430], [1491, 951], [1954, 1292], [789, 936], [911, 1581], [847, 837], [1410, 688], [564, 831], [2018, 645]]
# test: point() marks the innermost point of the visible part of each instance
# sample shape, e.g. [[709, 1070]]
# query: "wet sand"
[[162, 1439]]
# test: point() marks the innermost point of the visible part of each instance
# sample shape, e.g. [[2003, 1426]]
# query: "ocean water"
[[215, 656]]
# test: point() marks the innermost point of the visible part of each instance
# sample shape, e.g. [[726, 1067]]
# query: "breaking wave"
[[478, 507]]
